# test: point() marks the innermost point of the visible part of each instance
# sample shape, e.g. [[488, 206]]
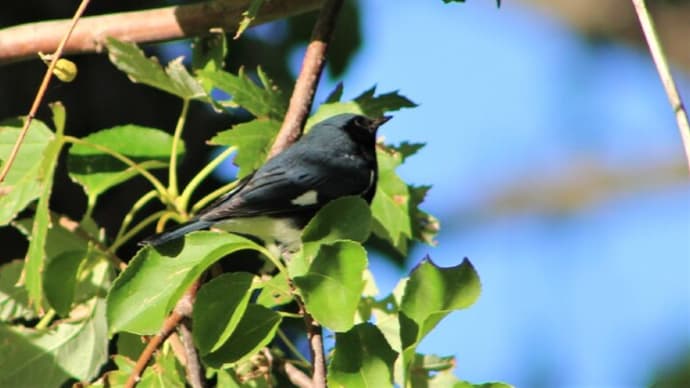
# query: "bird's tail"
[[176, 233]]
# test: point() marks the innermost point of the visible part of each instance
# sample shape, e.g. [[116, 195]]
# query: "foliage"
[[73, 296]]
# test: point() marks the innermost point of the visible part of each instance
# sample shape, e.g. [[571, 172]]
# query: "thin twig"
[[183, 309], [664, 73], [193, 366], [296, 376], [41, 90], [308, 78], [22, 42], [76, 228]]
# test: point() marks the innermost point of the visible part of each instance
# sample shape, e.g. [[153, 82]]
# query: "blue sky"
[[598, 298]]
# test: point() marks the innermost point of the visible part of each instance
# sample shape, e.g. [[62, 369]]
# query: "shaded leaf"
[[209, 51], [47, 358], [175, 79], [156, 278], [253, 140], [14, 299], [23, 181], [98, 171], [255, 330], [262, 101], [336, 94], [362, 358], [334, 283], [346, 218], [275, 292], [218, 308], [390, 206], [60, 280]]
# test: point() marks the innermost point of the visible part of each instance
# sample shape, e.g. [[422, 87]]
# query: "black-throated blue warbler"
[[274, 203]]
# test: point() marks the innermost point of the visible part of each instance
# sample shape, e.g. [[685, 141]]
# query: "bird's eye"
[[361, 122]]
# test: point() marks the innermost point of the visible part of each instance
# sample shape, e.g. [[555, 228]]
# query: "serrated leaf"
[[432, 292], [218, 308], [333, 285], [346, 218], [60, 280], [22, 184], [253, 140], [275, 292], [391, 204], [175, 79], [143, 294], [362, 358], [70, 350], [424, 225], [262, 102], [365, 104], [14, 299], [98, 171], [248, 16], [36, 255], [254, 331], [335, 95]]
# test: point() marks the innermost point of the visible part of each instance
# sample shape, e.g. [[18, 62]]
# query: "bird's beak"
[[379, 121]]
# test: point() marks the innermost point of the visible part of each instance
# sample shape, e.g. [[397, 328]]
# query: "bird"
[[336, 158]]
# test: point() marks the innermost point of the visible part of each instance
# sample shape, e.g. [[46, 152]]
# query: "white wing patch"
[[306, 199]]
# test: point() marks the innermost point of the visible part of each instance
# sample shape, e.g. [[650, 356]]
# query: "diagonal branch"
[[22, 42], [308, 79]]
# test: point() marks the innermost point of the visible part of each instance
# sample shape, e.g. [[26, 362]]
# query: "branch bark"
[[308, 79], [24, 41]]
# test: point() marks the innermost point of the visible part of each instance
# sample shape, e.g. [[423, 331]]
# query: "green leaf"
[[275, 292], [391, 204], [36, 255], [175, 79], [22, 184], [155, 279], [362, 358], [60, 280], [253, 140], [98, 171], [433, 292], [423, 368], [165, 373], [14, 299], [336, 94], [347, 218], [129, 346], [248, 16], [365, 104], [209, 51], [62, 236], [255, 330], [334, 283], [424, 225], [264, 101], [218, 309], [47, 358]]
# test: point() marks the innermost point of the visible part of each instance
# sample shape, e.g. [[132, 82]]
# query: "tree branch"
[[318, 358], [308, 79], [24, 41], [183, 309]]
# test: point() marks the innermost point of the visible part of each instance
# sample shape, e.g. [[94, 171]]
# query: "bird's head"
[[361, 128]]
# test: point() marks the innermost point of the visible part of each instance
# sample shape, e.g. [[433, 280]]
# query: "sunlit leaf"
[[362, 358], [275, 292], [156, 278], [98, 171], [333, 285], [347, 218], [253, 140], [14, 299]]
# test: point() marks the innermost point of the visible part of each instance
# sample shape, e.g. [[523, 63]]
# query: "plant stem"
[[120, 240], [172, 168], [145, 173], [200, 204], [135, 208], [664, 73], [203, 174], [45, 321], [42, 90], [291, 346]]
